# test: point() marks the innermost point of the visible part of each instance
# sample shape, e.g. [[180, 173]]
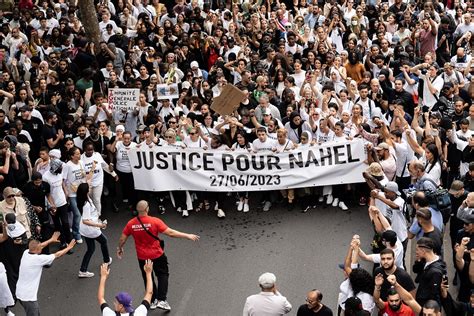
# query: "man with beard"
[[388, 267], [81, 136], [394, 305]]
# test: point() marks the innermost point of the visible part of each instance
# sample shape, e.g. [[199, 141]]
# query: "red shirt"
[[147, 247], [403, 311]]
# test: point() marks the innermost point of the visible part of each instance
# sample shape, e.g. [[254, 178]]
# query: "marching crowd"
[[397, 74]]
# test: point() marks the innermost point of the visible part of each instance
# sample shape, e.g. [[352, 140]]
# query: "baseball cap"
[[466, 214], [126, 300], [267, 112], [392, 187], [456, 186], [25, 108], [267, 280], [382, 146], [194, 64], [375, 169], [8, 191], [141, 128]]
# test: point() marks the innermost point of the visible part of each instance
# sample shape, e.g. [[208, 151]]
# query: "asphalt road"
[[215, 275]]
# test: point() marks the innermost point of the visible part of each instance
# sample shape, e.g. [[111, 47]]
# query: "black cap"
[[25, 108]]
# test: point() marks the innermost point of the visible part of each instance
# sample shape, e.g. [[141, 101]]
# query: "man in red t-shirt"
[[394, 305], [145, 229]]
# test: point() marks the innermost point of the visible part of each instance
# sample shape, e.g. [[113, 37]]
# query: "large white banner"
[[169, 169]]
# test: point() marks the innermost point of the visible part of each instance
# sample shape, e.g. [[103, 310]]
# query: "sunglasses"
[[10, 196], [192, 133]]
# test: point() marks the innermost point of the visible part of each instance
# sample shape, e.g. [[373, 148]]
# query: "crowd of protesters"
[[397, 74]]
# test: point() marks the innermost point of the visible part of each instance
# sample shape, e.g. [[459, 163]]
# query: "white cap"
[[267, 280]]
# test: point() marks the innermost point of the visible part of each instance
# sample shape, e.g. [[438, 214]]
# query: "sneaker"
[[267, 206], [179, 210], [362, 201], [79, 241], [125, 200], [246, 208], [220, 214], [161, 209], [109, 262], [240, 206], [335, 202], [305, 209], [329, 200], [86, 274], [154, 304], [185, 213], [343, 206], [321, 199], [10, 313], [164, 305]]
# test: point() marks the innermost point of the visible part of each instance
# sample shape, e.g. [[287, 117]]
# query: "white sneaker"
[[154, 304], [125, 200], [86, 274], [109, 262], [10, 313], [185, 213], [240, 206], [179, 210], [246, 208], [164, 305], [321, 199], [343, 206], [79, 241], [329, 200], [335, 202], [220, 214], [267, 206]]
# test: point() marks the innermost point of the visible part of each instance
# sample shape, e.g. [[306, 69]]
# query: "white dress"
[[6, 298]]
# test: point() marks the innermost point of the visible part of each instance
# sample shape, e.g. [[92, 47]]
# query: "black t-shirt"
[[49, 132], [34, 126], [36, 195], [305, 311], [403, 278], [4, 129]]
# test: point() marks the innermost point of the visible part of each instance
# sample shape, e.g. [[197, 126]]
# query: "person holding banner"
[[145, 229], [242, 145]]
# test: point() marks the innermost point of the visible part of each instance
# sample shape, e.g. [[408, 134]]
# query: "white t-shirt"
[[89, 212], [74, 174], [287, 146], [56, 183], [139, 311], [268, 145], [428, 98], [101, 116], [98, 177], [123, 161], [29, 277]]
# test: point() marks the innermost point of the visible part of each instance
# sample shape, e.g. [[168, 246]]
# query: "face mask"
[[354, 23]]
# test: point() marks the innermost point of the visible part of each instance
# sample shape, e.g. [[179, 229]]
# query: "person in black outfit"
[[465, 243], [429, 276], [34, 126], [313, 306], [388, 267], [37, 191], [4, 126]]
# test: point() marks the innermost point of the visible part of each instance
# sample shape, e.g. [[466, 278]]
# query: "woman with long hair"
[[90, 228]]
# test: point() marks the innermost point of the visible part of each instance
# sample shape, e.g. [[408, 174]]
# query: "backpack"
[[439, 200]]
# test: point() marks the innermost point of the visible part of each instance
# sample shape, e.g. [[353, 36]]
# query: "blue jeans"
[[90, 242], [76, 217]]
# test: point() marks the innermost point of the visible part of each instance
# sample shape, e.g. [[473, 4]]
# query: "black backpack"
[[439, 200]]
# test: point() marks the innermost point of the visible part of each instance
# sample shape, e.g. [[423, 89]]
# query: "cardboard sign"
[[123, 98], [167, 91], [228, 100]]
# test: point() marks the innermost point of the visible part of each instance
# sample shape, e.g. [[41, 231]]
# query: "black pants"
[[102, 240], [160, 268], [128, 187], [61, 223]]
